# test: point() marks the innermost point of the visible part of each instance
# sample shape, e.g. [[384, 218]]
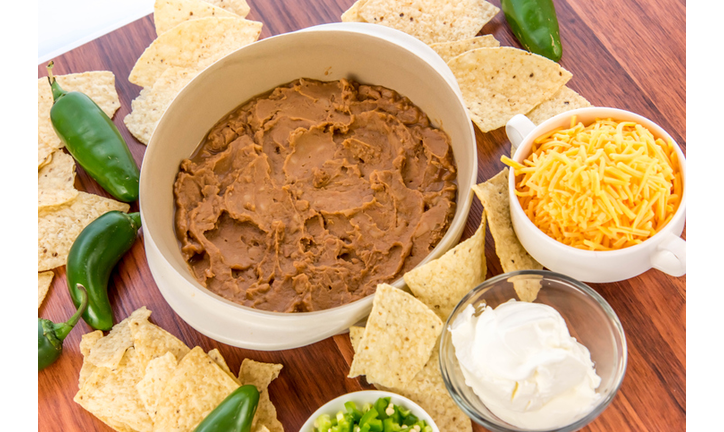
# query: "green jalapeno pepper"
[[93, 255], [234, 414], [94, 141], [535, 24], [51, 335]]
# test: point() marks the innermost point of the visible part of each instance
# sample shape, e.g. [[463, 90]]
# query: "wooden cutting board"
[[623, 54]]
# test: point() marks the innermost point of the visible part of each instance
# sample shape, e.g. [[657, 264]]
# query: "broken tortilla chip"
[[44, 281], [150, 105], [513, 256], [87, 342], [59, 226], [355, 336], [108, 351], [260, 375], [498, 83], [154, 380], [152, 341], [431, 21], [44, 154], [98, 85], [195, 388], [443, 282], [397, 340], [167, 14], [219, 359], [563, 100], [450, 50], [193, 44], [56, 179]]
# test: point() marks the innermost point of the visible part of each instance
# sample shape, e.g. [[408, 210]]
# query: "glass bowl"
[[590, 320]]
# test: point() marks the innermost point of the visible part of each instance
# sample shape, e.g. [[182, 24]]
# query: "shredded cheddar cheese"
[[605, 186]]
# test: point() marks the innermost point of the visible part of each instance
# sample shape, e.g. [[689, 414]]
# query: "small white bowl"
[[360, 398], [365, 52], [665, 251]]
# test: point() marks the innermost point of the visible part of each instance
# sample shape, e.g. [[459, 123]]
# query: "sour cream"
[[522, 362]]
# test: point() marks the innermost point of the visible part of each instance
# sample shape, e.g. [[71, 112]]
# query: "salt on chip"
[[150, 105], [260, 375], [108, 351], [152, 341], [513, 256], [398, 338], [59, 226], [98, 85], [239, 7], [443, 282], [193, 44], [154, 380], [111, 395], [431, 21], [87, 342], [219, 359], [55, 181], [450, 50], [169, 13], [195, 388], [44, 281], [498, 83]]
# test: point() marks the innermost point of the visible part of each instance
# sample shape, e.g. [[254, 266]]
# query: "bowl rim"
[[463, 201], [445, 338], [308, 425], [545, 127]]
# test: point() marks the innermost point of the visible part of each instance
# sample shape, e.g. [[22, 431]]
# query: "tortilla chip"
[[195, 388], [563, 100], [260, 375], [87, 342], [152, 341], [431, 21], [352, 14], [193, 44], [98, 85], [59, 226], [219, 359], [397, 340], [526, 287], [56, 179], [44, 154], [355, 336], [498, 83], [154, 380], [150, 105], [513, 256], [108, 351], [450, 50], [443, 282], [428, 390], [239, 7], [169, 13], [44, 281], [111, 395]]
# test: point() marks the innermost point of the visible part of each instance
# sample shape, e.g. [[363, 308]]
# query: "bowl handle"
[[517, 129], [670, 257]]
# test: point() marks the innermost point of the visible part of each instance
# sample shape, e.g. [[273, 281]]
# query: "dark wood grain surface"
[[624, 54]]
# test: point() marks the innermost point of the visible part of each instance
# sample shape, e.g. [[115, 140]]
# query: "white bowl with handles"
[[665, 251]]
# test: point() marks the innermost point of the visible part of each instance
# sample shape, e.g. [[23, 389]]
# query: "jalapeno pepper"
[[93, 255], [51, 335], [535, 24], [234, 414], [94, 141]]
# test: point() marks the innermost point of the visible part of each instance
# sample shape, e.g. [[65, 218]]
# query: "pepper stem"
[[54, 86], [62, 329]]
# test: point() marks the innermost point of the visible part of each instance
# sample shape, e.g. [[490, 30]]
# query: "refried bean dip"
[[307, 197]]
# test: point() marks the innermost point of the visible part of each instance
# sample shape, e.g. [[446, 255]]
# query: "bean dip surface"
[[307, 197]]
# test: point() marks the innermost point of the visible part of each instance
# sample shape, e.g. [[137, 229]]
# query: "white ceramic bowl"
[[665, 251], [368, 53], [360, 398]]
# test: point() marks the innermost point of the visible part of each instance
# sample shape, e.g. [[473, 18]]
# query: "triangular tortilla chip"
[[150, 387], [56, 180], [397, 340], [239, 7], [194, 44], [431, 21], [219, 359], [169, 13], [260, 375], [98, 85], [44, 281], [152, 341], [443, 282], [563, 100], [498, 83]]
